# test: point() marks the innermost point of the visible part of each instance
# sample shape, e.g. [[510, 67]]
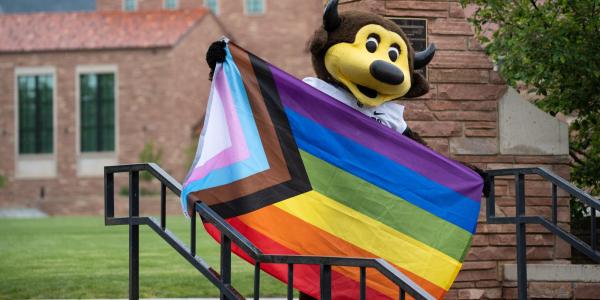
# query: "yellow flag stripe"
[[373, 236]]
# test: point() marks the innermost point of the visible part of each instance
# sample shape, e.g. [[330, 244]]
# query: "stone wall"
[[460, 117]]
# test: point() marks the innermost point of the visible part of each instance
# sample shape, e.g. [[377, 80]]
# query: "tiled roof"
[[95, 30]]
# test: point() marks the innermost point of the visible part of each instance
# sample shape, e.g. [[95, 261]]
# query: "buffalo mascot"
[[366, 62]]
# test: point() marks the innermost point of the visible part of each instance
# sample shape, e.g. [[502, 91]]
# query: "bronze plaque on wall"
[[416, 31]]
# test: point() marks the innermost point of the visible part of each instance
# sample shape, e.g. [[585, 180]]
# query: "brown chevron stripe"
[[286, 176]]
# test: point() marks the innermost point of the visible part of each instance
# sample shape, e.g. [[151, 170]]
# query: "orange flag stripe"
[[310, 241]]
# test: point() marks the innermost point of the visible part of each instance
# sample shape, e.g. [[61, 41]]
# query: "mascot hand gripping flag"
[[327, 168]]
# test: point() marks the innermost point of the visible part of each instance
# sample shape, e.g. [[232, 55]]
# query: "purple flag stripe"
[[379, 138]]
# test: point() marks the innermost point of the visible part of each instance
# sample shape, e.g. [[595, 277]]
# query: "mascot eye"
[[372, 44], [393, 52]]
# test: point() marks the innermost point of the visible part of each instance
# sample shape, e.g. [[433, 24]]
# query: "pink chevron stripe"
[[238, 150]]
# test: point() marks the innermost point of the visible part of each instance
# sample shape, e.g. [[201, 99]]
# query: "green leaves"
[[553, 48]]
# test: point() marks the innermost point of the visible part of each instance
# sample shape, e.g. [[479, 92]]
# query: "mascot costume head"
[[368, 55]]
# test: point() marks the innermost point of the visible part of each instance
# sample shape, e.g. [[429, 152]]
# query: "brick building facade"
[[469, 114], [159, 87]]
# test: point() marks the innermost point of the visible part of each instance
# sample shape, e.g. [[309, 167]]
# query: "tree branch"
[[574, 156]]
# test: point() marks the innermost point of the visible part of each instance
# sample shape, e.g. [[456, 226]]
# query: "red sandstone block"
[[491, 253], [418, 115], [419, 13], [463, 285], [445, 42], [437, 129], [547, 201], [487, 283], [480, 240], [540, 253], [495, 228], [451, 295], [439, 145], [470, 91], [495, 78], [479, 105], [543, 159], [550, 290], [562, 249], [494, 293], [458, 75], [509, 293], [456, 11], [443, 105], [374, 6], [474, 45], [470, 294], [416, 5], [461, 60], [479, 265], [587, 290], [481, 133], [444, 26], [417, 111], [465, 116], [485, 159]]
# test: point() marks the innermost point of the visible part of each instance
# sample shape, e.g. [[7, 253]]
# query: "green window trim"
[[213, 5], [130, 5], [36, 114], [255, 7], [97, 112], [171, 4]]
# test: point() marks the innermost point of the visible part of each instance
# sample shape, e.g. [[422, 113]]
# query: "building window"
[[254, 7], [35, 108], [171, 4], [129, 5], [97, 112], [213, 5]]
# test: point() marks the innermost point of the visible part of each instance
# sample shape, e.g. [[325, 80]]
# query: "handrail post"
[[363, 283], [256, 281], [163, 206], [225, 262], [193, 234], [554, 204], [325, 282], [290, 285], [593, 231], [521, 237], [109, 196], [134, 236]]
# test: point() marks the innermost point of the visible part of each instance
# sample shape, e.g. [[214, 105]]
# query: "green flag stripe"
[[386, 207]]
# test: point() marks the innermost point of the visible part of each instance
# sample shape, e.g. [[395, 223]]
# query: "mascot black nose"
[[386, 72]]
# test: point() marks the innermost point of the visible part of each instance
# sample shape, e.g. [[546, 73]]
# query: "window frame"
[[171, 8], [247, 13], [217, 8], [24, 161], [135, 5], [89, 164]]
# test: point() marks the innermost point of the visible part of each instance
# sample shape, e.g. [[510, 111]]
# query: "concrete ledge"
[[527, 130], [555, 272]]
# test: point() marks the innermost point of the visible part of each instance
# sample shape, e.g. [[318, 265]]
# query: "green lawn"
[[79, 257]]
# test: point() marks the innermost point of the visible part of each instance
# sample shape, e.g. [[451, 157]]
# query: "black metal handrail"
[[521, 218], [222, 280]]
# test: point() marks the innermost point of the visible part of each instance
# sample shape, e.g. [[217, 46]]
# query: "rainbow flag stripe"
[[298, 172]]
